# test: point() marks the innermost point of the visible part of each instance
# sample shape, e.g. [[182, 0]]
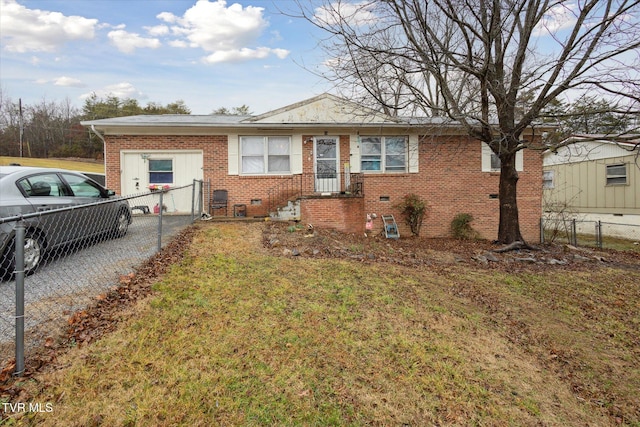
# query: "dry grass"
[[236, 336], [76, 165]]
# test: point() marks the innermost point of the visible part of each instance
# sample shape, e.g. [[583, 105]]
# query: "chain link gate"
[[43, 284]]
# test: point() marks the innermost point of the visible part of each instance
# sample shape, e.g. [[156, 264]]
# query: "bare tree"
[[473, 61]]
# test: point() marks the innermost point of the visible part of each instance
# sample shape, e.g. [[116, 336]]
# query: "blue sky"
[[209, 54]]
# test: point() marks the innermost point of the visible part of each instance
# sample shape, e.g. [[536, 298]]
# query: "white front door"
[[327, 167], [134, 178]]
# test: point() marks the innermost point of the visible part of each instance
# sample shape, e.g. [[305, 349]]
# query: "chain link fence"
[[72, 254], [600, 234]]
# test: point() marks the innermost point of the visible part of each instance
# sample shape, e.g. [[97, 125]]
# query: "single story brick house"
[[332, 162]]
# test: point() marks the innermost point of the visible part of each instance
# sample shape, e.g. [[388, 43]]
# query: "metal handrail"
[[306, 184]]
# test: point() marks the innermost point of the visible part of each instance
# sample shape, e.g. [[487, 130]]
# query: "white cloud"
[[62, 81], [356, 14], [121, 90], [238, 55], [280, 53], [128, 42], [25, 30], [68, 82], [557, 18], [178, 43], [226, 31], [158, 30]]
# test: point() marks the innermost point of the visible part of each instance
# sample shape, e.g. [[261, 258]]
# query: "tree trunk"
[[509, 229]]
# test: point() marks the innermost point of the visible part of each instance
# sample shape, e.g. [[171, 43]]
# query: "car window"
[[82, 186], [43, 185]]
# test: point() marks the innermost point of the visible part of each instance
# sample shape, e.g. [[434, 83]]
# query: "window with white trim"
[[383, 153], [265, 155], [491, 162], [495, 162], [547, 179], [617, 174], [160, 171]]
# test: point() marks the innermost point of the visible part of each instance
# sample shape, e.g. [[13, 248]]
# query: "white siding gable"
[[586, 150], [323, 109]]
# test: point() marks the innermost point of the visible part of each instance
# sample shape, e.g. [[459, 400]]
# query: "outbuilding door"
[[326, 163], [175, 168]]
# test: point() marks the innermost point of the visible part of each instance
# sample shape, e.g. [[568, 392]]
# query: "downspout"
[[104, 151]]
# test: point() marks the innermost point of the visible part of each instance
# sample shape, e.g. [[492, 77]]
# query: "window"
[[495, 162], [616, 174], [265, 154], [160, 171], [490, 162], [82, 187], [43, 185], [547, 179], [383, 154]]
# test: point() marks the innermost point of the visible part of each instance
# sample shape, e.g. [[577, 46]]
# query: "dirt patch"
[[293, 239]]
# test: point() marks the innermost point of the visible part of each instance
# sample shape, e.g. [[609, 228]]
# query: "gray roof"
[[169, 120], [367, 119], [187, 120]]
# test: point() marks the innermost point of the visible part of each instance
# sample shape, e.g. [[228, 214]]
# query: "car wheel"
[[122, 223], [33, 252], [33, 255]]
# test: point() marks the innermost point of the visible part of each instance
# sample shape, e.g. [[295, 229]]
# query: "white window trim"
[[265, 139], [486, 159], [383, 155], [354, 153], [611, 176], [173, 169], [548, 179]]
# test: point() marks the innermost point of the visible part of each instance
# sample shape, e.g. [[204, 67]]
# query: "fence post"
[[160, 204], [542, 230], [599, 234], [19, 275], [193, 201], [574, 232]]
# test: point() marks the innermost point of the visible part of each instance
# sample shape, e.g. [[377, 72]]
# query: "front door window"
[[326, 164]]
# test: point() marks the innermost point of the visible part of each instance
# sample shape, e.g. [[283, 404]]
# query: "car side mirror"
[[110, 193]]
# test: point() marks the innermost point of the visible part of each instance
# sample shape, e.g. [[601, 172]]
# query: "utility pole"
[[21, 123]]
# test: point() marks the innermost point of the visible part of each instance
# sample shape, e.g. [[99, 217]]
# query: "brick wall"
[[339, 213], [450, 181], [242, 189], [214, 148]]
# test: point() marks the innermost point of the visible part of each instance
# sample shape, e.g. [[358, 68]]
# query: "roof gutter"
[[104, 150]]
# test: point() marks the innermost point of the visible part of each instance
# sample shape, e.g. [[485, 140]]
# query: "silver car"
[[29, 193]]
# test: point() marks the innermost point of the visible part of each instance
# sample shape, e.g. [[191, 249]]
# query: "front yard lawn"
[[238, 334]]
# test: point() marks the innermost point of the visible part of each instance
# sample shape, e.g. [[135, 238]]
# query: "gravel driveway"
[[68, 281]]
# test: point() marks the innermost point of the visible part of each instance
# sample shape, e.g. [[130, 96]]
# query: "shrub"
[[413, 209], [461, 226]]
